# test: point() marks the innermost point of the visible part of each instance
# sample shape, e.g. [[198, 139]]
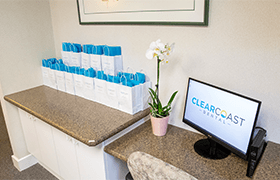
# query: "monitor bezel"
[[213, 136]]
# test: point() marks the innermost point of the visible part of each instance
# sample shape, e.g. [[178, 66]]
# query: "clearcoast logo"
[[217, 113]]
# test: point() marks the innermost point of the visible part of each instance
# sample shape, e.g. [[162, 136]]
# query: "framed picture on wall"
[[150, 12]]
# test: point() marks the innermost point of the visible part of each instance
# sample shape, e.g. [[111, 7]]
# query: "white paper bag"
[[101, 91], [52, 79], [69, 83], [75, 59], [79, 85], [66, 57], [129, 99], [60, 80], [95, 62], [45, 73], [113, 64], [89, 88], [85, 60], [112, 93]]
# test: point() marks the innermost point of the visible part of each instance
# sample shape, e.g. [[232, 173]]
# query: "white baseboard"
[[25, 162]]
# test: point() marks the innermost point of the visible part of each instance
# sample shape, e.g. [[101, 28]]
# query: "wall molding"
[[25, 162]]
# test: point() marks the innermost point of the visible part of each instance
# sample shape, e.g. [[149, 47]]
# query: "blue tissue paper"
[[134, 82], [101, 75], [140, 77], [110, 78], [89, 49], [76, 70], [129, 75], [127, 83], [76, 48], [66, 46], [60, 61], [116, 79], [90, 73], [52, 66], [98, 49], [45, 63], [52, 60], [112, 50], [82, 71], [85, 50], [72, 69], [120, 74], [60, 67]]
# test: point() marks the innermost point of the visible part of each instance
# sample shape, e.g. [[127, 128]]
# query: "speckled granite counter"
[[86, 121], [176, 148]]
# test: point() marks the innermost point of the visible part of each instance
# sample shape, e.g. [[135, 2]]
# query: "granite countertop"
[[84, 120], [269, 166], [176, 148]]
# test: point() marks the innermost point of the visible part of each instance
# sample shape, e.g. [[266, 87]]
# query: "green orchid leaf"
[[159, 107], [154, 100], [172, 98], [151, 106], [153, 92]]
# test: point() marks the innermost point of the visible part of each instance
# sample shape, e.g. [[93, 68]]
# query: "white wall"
[[26, 37], [239, 51]]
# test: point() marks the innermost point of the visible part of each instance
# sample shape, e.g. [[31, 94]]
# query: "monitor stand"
[[210, 149]]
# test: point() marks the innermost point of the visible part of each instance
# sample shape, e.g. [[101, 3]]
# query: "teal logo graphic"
[[218, 113]]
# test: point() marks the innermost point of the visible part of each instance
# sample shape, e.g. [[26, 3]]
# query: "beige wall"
[[239, 51], [26, 37]]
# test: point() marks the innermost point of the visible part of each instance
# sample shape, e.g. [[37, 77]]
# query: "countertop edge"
[[126, 125], [115, 154]]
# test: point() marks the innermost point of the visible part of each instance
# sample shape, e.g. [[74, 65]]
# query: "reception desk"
[[176, 148]]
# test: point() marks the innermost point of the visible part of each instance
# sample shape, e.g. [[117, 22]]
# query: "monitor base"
[[210, 149]]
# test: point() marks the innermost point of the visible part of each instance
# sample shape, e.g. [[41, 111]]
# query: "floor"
[[7, 169]]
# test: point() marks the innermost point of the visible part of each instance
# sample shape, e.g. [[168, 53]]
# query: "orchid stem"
[[157, 85]]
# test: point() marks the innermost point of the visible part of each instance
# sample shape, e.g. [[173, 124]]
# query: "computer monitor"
[[228, 119]]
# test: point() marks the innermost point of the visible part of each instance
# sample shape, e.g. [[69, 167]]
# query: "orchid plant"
[[161, 52]]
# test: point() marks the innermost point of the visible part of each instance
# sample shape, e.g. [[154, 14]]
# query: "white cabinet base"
[[65, 157]]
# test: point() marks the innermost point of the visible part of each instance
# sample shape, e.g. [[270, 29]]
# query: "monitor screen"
[[227, 117]]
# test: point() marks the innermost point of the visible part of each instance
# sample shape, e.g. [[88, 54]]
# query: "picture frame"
[[152, 12]]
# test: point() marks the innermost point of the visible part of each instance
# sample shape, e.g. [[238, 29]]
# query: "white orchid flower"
[[150, 54], [159, 50], [160, 46]]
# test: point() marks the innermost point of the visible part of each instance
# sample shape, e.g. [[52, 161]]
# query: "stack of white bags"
[[98, 77]]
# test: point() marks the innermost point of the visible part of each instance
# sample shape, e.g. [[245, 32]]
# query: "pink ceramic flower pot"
[[159, 125]]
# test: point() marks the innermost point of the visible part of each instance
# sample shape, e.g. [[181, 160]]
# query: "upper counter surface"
[[86, 121], [176, 148]]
